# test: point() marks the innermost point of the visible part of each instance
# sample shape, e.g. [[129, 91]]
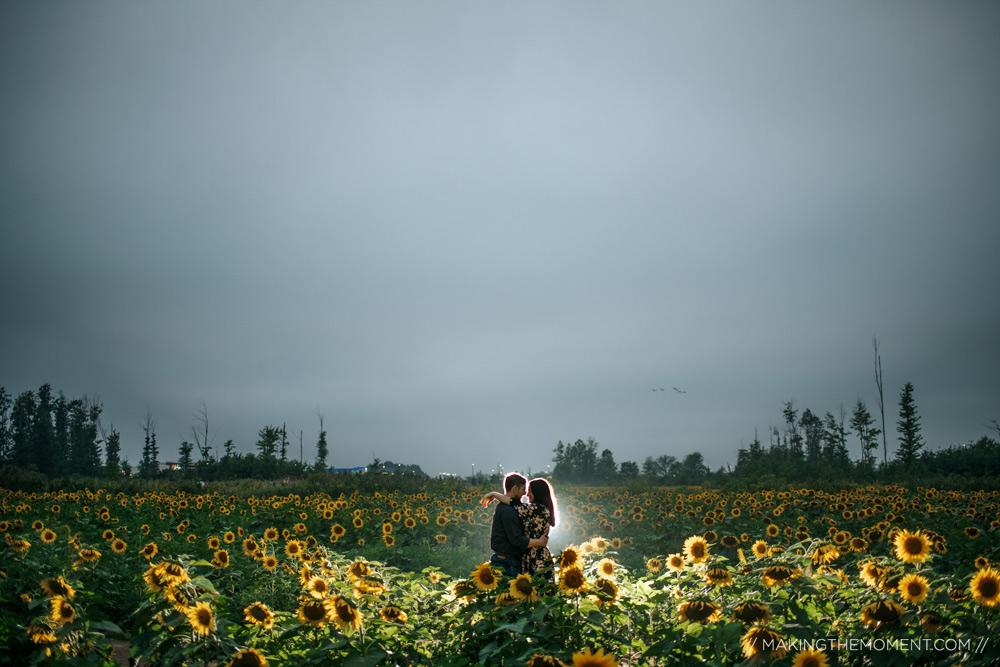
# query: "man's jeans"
[[510, 566]]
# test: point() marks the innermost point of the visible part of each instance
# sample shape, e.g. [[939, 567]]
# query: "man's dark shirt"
[[507, 536]]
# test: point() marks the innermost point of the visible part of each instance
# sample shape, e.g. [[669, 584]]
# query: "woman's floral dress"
[[536, 521]]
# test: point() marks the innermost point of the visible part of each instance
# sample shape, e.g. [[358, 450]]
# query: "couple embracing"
[[519, 534]]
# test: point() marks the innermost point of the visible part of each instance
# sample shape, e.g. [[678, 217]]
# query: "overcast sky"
[[464, 231]]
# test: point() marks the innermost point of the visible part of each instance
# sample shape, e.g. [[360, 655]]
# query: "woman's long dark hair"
[[542, 492]]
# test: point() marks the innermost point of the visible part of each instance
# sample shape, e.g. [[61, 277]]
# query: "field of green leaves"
[[869, 576]]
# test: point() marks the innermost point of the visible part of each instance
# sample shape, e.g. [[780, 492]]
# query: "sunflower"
[[259, 614], [695, 549], [931, 622], [985, 587], [346, 615], [48, 536], [972, 532], [825, 553], [606, 567], [871, 573], [605, 591], [221, 559], [750, 613], [572, 581], [271, 534], [213, 543], [569, 558], [149, 551], [270, 563], [358, 522], [883, 612], [911, 547], [315, 613], [293, 548], [858, 544], [523, 589], [719, 576], [318, 587], [173, 573], [61, 611], [913, 588], [119, 546], [654, 565], [389, 540], [779, 575], [810, 658], [730, 541], [485, 577], [40, 634], [759, 548], [393, 614], [337, 531], [676, 562], [57, 588], [250, 547], [248, 657], [229, 537], [358, 570], [155, 580], [108, 535], [585, 658], [760, 641], [699, 611], [89, 555], [773, 530]]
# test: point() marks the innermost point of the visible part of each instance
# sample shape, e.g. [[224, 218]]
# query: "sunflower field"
[[648, 576]]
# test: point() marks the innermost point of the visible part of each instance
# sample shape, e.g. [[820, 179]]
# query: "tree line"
[[808, 448]]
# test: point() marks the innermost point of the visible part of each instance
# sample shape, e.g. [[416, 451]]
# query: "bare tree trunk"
[[881, 398]]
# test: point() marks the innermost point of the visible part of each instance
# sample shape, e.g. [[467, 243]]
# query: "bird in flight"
[[679, 391]]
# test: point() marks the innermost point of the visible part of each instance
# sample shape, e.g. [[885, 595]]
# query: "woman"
[[537, 515]]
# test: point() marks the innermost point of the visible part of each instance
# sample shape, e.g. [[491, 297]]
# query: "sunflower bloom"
[[752, 613], [61, 612], [585, 658], [149, 551], [523, 589], [913, 588], [676, 562], [248, 657], [393, 614], [259, 614], [318, 587], [719, 576], [569, 558], [760, 641], [654, 565], [696, 549], [484, 577], [606, 568], [779, 575], [810, 658], [883, 612], [314, 613], [57, 587], [911, 547], [345, 615], [48, 536], [201, 618], [699, 611], [985, 587], [572, 581]]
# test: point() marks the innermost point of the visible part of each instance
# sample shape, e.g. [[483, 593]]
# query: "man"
[[507, 538]]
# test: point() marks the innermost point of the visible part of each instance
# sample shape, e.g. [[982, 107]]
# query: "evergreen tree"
[[22, 419], [112, 450], [908, 427], [60, 436], [42, 432], [284, 443], [863, 425], [321, 447], [267, 441], [149, 465], [6, 443], [812, 429], [184, 459]]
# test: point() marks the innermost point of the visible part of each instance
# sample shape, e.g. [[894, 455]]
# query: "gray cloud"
[[464, 232]]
